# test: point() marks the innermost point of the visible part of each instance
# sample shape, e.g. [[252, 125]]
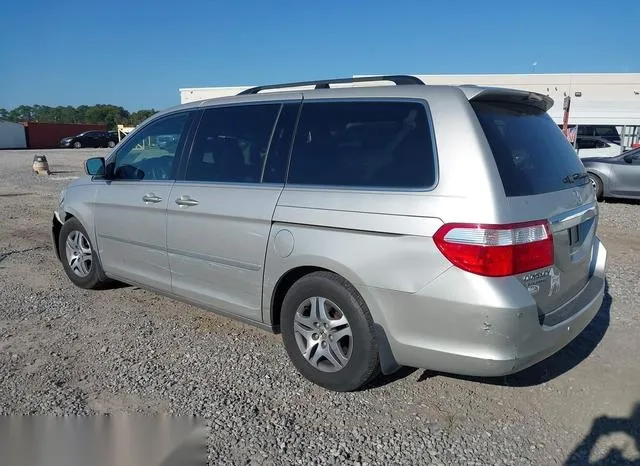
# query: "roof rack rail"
[[398, 79]]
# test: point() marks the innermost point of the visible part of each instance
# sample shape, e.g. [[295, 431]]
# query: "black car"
[[615, 176], [91, 139]]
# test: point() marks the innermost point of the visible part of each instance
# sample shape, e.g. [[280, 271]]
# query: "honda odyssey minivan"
[[398, 224]]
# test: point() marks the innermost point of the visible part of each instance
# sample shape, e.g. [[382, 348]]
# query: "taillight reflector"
[[497, 250]]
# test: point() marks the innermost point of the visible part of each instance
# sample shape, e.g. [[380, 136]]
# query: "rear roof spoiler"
[[541, 101]]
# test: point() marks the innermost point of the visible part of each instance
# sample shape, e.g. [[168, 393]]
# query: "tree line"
[[110, 115]]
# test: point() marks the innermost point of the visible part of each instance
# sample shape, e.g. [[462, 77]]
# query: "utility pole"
[[565, 120]]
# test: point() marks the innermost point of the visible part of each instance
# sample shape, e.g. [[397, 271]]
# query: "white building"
[[12, 135], [193, 94], [596, 98]]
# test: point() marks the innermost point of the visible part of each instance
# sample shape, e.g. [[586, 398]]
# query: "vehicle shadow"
[[616, 200], [555, 365], [605, 426], [383, 380], [115, 285]]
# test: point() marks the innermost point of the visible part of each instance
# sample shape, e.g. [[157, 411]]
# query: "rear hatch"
[[543, 179]]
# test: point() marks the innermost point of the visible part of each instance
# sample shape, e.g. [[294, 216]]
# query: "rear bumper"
[[470, 325]]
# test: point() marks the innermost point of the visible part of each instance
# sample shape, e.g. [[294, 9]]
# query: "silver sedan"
[[615, 176]]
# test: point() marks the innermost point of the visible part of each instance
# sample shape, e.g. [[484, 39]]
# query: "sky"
[[137, 54]]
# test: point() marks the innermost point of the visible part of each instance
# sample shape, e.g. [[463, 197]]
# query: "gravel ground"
[[64, 350]]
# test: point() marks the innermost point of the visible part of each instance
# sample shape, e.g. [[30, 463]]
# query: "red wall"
[[48, 135]]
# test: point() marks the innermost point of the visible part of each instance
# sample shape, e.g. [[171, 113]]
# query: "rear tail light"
[[497, 250]]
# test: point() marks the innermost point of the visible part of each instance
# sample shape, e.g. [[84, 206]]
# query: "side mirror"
[[94, 166], [628, 158]]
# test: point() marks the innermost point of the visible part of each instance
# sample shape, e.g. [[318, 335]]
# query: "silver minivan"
[[451, 228]]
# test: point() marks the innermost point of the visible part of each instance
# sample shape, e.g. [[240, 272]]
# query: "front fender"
[[79, 202]]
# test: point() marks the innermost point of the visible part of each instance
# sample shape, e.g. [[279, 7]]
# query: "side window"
[[601, 145], [231, 143], [150, 154], [363, 144]]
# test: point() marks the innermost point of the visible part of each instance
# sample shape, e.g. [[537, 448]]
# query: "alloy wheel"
[[79, 255], [323, 334]]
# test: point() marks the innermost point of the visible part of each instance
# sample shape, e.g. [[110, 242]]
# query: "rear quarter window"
[[367, 144], [530, 151]]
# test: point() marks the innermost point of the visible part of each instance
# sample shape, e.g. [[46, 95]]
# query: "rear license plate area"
[[575, 235]]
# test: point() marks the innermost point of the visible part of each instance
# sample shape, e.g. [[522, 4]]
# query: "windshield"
[[531, 153]]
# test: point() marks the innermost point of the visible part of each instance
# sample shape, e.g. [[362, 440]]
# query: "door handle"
[[151, 197], [186, 201]]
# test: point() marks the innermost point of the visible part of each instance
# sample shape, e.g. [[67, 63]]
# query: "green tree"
[[104, 114], [139, 116], [69, 114], [22, 113]]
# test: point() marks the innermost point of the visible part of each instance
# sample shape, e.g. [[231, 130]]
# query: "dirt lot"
[[65, 350]]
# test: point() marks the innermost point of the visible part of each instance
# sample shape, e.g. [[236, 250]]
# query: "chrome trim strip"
[[216, 259], [573, 217], [132, 242], [193, 255]]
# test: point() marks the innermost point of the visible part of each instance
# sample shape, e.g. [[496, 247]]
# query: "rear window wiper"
[[575, 177]]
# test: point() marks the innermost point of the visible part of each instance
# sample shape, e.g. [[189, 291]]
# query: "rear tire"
[[596, 182], [111, 144], [79, 258], [345, 334]]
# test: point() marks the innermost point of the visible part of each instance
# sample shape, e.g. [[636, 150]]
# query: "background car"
[[91, 139], [113, 136], [615, 176], [593, 146]]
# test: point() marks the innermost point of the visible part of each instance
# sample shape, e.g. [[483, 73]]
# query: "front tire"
[[596, 182], [78, 257], [77, 145], [328, 332]]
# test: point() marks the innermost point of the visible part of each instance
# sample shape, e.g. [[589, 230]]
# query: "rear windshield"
[[532, 154]]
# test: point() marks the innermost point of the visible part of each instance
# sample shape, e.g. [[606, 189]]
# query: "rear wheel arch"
[[388, 363], [283, 285]]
